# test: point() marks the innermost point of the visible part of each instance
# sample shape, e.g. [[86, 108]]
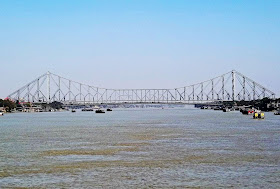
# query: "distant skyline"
[[139, 44]]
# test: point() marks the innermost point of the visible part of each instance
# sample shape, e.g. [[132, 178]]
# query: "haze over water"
[[139, 148]]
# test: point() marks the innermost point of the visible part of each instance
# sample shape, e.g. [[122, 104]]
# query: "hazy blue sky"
[[139, 44]]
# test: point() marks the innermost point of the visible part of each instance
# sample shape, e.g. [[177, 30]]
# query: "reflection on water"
[[138, 149]]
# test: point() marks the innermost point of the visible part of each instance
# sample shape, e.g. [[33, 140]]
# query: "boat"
[[204, 107], [1, 113], [248, 111], [277, 113], [73, 110], [87, 109], [258, 115], [226, 109], [99, 111], [96, 107], [109, 110], [217, 108]]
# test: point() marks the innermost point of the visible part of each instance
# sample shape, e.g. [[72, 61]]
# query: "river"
[[139, 148]]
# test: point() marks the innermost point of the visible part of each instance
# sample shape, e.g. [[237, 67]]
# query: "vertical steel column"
[[49, 87], [97, 95], [254, 91], [18, 94], [106, 95], [233, 85], [38, 89], [69, 91], [145, 96], [212, 81], [119, 95], [184, 93], [223, 87], [80, 92], [88, 94], [59, 90], [193, 91], [201, 92], [28, 93], [244, 91]]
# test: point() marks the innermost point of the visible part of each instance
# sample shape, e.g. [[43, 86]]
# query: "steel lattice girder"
[[231, 86]]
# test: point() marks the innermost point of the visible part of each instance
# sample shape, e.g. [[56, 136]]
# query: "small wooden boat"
[[248, 111], [96, 107], [109, 110], [87, 109], [226, 109], [217, 108], [99, 111], [277, 113], [1, 113], [73, 110]]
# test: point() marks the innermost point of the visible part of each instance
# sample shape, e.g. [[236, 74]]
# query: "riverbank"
[[265, 104]]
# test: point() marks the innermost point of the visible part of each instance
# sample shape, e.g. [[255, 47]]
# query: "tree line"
[[7, 104]]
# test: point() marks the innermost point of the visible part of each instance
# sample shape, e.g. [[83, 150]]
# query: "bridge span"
[[231, 86]]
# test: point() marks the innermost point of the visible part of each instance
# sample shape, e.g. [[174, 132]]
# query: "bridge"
[[231, 86]]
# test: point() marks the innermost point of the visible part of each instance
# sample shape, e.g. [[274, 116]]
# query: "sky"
[[139, 43]]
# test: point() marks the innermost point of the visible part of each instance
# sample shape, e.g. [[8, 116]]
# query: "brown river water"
[[139, 148]]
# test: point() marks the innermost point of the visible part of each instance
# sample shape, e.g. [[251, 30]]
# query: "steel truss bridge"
[[231, 86]]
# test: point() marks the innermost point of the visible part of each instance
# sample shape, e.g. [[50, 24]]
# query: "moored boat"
[[248, 111], [258, 115], [226, 110], [73, 110], [96, 107], [277, 113], [217, 108], [1, 113], [87, 109], [109, 110], [99, 111]]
